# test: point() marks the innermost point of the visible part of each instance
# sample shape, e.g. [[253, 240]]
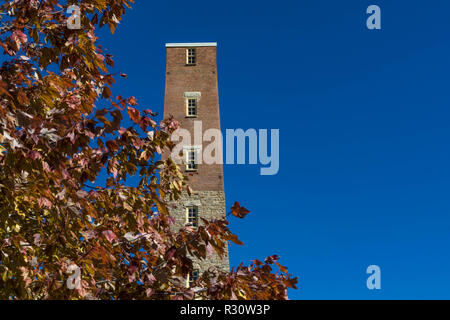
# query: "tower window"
[[191, 56], [191, 107], [191, 160], [192, 216], [193, 277]]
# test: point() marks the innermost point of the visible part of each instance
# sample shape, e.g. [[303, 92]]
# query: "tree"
[[65, 235]]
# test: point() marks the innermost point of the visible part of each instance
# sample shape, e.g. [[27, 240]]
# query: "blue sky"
[[364, 132]]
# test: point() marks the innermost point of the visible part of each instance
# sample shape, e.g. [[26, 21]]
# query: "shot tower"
[[191, 97]]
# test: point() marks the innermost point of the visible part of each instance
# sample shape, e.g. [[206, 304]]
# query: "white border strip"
[[198, 44]]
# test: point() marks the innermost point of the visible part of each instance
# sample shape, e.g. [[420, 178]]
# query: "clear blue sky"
[[364, 128]]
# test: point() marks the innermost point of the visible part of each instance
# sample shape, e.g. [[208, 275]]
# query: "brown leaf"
[[22, 97], [132, 101], [239, 211], [170, 253], [134, 114], [106, 92], [282, 268], [109, 235]]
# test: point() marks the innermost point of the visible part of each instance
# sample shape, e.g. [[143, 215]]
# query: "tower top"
[[193, 44]]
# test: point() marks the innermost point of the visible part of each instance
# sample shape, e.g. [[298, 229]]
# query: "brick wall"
[[202, 78]]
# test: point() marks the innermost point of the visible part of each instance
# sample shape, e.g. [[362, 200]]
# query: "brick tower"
[[191, 97]]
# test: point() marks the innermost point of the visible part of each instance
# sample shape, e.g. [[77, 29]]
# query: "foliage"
[[60, 128]]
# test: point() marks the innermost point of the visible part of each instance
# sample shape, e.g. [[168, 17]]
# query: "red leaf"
[[71, 136], [112, 145], [46, 166], [149, 292], [109, 235], [239, 211], [282, 268], [34, 155], [256, 262], [19, 37], [271, 259], [233, 238], [209, 250], [44, 202], [132, 101], [106, 92], [134, 114], [170, 253], [122, 130]]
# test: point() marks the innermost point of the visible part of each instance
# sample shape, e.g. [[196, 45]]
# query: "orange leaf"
[[134, 114], [239, 211]]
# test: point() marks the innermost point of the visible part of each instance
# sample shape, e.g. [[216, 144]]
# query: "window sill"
[[191, 117]]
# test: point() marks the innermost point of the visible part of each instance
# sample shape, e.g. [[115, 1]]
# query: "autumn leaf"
[[109, 235], [19, 37], [106, 92], [132, 101], [282, 268], [239, 211], [22, 97], [134, 114], [170, 253], [233, 238]]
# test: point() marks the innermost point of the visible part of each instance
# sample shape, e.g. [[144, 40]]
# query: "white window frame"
[[191, 278], [195, 218], [191, 53], [195, 107], [187, 152]]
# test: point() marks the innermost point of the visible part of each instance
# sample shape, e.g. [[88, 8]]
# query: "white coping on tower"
[[197, 44]]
